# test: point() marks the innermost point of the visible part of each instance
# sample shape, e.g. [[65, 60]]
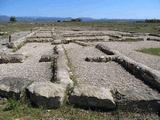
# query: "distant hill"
[[4, 18]]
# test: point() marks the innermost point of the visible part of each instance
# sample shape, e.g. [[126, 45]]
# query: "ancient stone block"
[[46, 58], [92, 97], [100, 59], [62, 72], [12, 58], [105, 49], [46, 94], [13, 87]]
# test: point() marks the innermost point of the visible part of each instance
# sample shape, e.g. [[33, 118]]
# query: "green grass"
[[152, 51], [11, 110], [121, 26]]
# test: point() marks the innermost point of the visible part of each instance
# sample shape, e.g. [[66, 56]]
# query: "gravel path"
[[31, 68], [129, 49], [110, 75]]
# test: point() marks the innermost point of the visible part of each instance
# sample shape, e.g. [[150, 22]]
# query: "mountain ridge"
[[5, 18]]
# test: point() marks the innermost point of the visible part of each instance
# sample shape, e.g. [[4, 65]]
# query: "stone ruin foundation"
[[79, 67]]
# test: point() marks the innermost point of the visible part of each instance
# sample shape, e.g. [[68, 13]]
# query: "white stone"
[[46, 94], [92, 96]]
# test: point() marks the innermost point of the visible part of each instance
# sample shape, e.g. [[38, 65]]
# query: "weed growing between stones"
[[19, 110], [70, 65], [19, 46], [72, 77], [12, 104]]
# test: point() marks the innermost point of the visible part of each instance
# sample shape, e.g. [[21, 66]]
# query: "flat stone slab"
[[105, 49], [92, 97], [11, 87], [81, 43], [87, 39], [134, 99], [12, 58], [46, 58], [57, 42], [62, 73], [46, 94], [40, 39], [100, 59]]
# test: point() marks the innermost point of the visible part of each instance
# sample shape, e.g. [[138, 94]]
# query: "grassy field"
[[11, 110], [17, 27], [152, 51], [121, 26]]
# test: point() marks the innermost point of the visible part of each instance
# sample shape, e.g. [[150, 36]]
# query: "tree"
[[13, 19], [76, 20], [58, 20]]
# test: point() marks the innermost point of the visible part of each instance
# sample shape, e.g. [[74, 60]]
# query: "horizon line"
[[80, 17]]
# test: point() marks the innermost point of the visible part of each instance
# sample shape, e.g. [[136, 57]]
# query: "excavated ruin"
[[83, 68]]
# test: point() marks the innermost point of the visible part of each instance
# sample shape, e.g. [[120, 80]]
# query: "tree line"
[[152, 21]]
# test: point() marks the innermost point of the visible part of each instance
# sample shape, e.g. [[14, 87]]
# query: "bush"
[[13, 19]]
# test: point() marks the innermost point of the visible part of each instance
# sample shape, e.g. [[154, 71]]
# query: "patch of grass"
[[23, 111], [11, 109], [152, 51], [120, 26], [12, 105], [18, 47]]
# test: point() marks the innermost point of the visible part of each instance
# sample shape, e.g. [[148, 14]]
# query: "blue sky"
[[134, 9]]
